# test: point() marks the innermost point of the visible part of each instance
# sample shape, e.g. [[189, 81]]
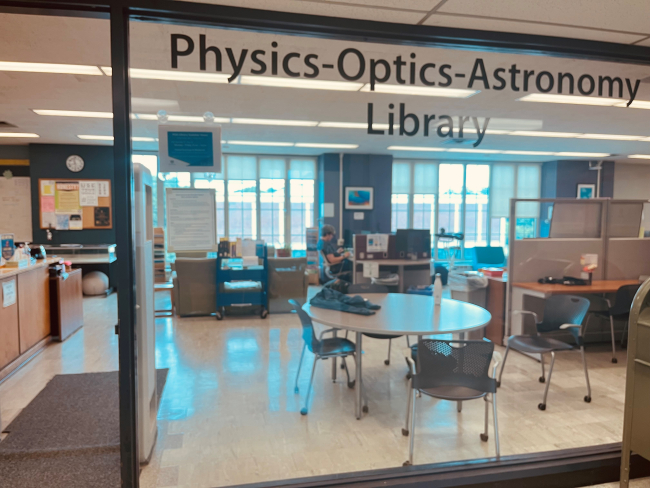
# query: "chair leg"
[[412, 430], [496, 422], [542, 378], [584, 365], [484, 435], [611, 326], [342, 366], [302, 355], [347, 372], [623, 337], [542, 406], [459, 406], [405, 430], [408, 342], [503, 365], [305, 410], [387, 361]]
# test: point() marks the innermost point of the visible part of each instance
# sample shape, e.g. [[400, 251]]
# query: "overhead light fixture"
[[326, 145], [181, 118], [481, 151], [415, 148], [612, 137], [495, 132], [583, 154], [530, 153], [572, 99], [427, 91], [299, 83], [352, 125], [110, 138], [18, 134], [260, 143], [74, 113], [535, 133], [159, 74], [144, 139], [639, 156], [291, 123], [67, 69]]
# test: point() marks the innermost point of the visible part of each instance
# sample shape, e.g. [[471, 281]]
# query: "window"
[[425, 187], [400, 213], [477, 184], [302, 176], [272, 200], [215, 180], [150, 161]]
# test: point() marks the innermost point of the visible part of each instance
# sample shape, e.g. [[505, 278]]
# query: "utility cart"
[[231, 289]]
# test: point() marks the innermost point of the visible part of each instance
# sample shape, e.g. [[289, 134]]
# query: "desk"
[[411, 272], [539, 290], [401, 314]]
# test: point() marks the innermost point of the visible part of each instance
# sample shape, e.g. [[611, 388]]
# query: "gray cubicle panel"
[[624, 218], [627, 258]]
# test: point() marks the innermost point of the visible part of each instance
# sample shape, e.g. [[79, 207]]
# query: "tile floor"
[[229, 414]]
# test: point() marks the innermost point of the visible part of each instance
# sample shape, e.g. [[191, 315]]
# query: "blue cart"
[[235, 271]]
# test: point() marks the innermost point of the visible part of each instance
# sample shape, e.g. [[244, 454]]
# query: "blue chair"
[[487, 257]]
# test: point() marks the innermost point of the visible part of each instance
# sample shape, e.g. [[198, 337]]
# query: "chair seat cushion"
[[453, 393], [336, 346], [380, 336], [537, 344]]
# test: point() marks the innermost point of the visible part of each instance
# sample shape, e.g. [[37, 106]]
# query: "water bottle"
[[437, 290]]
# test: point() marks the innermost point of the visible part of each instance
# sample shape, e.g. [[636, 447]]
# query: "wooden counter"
[[597, 286], [24, 324]]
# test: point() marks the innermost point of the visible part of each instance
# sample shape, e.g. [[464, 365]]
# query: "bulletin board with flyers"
[[66, 204]]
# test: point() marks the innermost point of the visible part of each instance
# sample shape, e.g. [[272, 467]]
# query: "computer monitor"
[[410, 242]]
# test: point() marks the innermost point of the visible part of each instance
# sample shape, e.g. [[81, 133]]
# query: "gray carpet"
[[69, 435]]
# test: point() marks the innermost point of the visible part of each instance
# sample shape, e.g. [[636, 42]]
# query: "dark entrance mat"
[[68, 435]]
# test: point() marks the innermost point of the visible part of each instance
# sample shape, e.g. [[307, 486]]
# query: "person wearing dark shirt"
[[336, 258]]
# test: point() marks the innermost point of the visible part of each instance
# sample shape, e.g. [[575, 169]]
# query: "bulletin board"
[[75, 204]]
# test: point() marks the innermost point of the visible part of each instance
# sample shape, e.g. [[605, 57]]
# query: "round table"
[[402, 314]]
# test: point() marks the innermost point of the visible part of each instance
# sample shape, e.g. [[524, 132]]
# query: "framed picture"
[[359, 197], [586, 191]]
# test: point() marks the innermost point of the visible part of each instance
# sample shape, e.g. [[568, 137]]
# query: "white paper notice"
[[8, 293], [47, 188], [102, 189], [191, 219], [88, 193], [48, 219], [248, 247], [377, 243], [371, 270], [358, 215]]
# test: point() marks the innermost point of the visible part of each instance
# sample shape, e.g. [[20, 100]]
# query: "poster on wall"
[[194, 149], [359, 198]]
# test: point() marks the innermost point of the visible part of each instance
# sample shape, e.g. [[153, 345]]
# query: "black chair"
[[361, 288], [620, 309], [561, 312], [328, 275], [456, 371], [335, 347]]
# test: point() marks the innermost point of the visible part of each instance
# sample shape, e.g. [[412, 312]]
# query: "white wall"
[[632, 181]]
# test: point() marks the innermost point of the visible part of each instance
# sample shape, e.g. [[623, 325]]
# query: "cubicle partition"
[[610, 229]]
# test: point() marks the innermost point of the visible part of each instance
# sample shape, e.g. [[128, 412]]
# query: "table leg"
[[358, 384], [400, 272], [334, 363]]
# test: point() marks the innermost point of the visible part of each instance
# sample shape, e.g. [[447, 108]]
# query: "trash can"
[[469, 286]]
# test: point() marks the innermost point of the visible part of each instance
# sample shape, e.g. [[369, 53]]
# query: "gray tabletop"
[[406, 314]]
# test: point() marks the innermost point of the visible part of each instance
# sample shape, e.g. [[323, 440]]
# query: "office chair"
[[335, 347], [621, 309], [328, 275], [561, 312], [370, 288], [456, 371]]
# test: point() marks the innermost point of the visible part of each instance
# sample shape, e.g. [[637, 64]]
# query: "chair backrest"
[[455, 363], [623, 299], [489, 256], [308, 334], [367, 288], [563, 309]]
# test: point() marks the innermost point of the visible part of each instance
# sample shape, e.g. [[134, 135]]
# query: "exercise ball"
[[95, 283]]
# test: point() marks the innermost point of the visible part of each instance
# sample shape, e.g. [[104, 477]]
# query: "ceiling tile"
[[618, 15], [529, 28]]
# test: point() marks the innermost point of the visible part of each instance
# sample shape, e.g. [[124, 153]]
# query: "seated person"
[[327, 245]]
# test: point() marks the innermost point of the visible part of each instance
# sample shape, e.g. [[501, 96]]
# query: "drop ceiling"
[[76, 41]]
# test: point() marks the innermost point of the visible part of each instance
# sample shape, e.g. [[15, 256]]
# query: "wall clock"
[[74, 163]]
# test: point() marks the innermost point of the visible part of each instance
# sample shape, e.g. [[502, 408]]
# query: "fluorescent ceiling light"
[[482, 151], [18, 134], [611, 137], [530, 153], [140, 103], [299, 83], [74, 113], [534, 133], [260, 143], [426, 91], [351, 125], [158, 74], [292, 123], [496, 132], [144, 139], [572, 99], [415, 148], [181, 118], [639, 156], [326, 145], [583, 154], [69, 69], [110, 138]]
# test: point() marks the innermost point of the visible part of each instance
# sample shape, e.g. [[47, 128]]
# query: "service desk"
[[24, 314], [411, 272]]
